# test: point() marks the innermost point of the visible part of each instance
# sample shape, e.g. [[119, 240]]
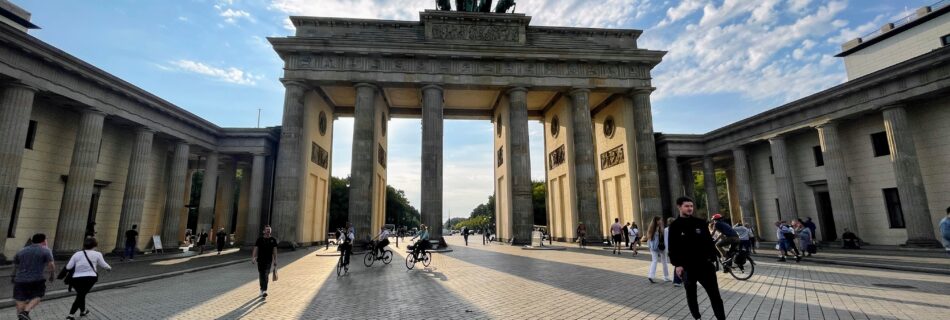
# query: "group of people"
[[627, 235], [797, 238]]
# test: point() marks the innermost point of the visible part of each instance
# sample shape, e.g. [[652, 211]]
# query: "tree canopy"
[[398, 209]]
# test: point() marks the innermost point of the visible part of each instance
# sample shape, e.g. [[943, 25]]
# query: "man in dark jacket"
[[692, 252]]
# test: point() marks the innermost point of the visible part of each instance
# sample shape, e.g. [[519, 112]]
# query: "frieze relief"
[[467, 32], [474, 67], [611, 157]]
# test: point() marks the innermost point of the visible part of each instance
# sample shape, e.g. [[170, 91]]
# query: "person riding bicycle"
[[423, 242], [728, 237], [382, 240], [346, 244]]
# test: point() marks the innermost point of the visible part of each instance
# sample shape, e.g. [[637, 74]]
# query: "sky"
[[727, 60]]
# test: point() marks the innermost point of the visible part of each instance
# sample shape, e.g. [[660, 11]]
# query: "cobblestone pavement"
[[503, 282]]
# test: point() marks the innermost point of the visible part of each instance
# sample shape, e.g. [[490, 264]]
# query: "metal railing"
[[905, 20]]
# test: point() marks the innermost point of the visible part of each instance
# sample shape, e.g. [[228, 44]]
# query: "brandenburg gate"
[[590, 88]]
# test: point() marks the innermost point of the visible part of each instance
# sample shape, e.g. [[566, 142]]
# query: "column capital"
[[832, 123], [144, 129], [294, 83], [641, 90], [776, 138], [893, 106], [94, 111], [259, 153], [367, 85], [738, 147], [517, 89], [432, 86], [21, 85], [576, 91]]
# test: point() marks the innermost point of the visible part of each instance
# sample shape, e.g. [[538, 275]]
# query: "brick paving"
[[503, 282]]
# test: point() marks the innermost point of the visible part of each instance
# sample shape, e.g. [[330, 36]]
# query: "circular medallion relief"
[[498, 126], [382, 124], [555, 126], [323, 123], [609, 127]]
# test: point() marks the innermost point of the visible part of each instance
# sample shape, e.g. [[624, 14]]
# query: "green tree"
[[398, 209], [538, 195], [721, 190]]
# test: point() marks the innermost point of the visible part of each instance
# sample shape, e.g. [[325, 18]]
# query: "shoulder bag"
[[90, 263]]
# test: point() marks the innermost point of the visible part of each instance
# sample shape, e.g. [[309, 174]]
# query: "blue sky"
[[727, 60]]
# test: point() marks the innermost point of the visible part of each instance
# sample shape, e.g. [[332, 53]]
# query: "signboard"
[[157, 243]]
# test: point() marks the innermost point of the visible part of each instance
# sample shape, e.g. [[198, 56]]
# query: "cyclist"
[[382, 242], [346, 245], [727, 237], [423, 242]]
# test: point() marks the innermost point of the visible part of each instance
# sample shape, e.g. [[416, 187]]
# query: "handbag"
[[660, 245]]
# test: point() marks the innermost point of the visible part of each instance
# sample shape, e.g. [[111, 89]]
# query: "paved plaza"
[[504, 282]]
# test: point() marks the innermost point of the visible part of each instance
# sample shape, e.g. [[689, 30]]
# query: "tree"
[[538, 195], [398, 209], [339, 203], [721, 191]]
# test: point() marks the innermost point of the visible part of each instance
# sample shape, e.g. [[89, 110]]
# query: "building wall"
[[562, 211], [154, 209], [615, 194], [763, 190], [502, 180], [931, 124], [316, 192], [802, 162], [901, 47]]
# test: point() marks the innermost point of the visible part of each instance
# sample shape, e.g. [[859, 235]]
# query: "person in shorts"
[[29, 284]]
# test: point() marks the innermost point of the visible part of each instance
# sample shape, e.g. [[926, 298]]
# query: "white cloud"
[[182, 18], [229, 74], [798, 5], [231, 15], [684, 9]]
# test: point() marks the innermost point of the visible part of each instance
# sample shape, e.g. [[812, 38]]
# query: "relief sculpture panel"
[[445, 31]]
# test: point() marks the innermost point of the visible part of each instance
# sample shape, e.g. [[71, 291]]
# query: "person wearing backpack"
[[84, 265]]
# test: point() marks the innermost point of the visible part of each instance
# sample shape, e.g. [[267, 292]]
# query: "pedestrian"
[[753, 238], [484, 236], [465, 235], [29, 285], [625, 231], [85, 264], [189, 238], [615, 230], [656, 241], [744, 235], [131, 238], [677, 281], [786, 241], [202, 241], [220, 239], [581, 234], [635, 238], [811, 227], [692, 252], [850, 240], [265, 256], [805, 238], [945, 231]]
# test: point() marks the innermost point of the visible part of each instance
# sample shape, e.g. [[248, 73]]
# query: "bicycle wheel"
[[339, 267], [427, 259], [743, 272], [387, 257], [368, 259], [410, 262]]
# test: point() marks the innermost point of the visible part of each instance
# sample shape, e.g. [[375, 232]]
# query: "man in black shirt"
[[220, 239], [131, 238], [265, 256], [692, 252]]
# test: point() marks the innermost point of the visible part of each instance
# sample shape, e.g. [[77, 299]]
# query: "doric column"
[[433, 104], [584, 173], [689, 181], [16, 104], [225, 207], [709, 181], [175, 195], [522, 215], [136, 183], [784, 186], [744, 185], [839, 188], [910, 183], [77, 196], [209, 190], [676, 182], [287, 193], [362, 163], [256, 197], [649, 180]]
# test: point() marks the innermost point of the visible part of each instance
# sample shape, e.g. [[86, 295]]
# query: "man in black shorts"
[[29, 285], [265, 256]]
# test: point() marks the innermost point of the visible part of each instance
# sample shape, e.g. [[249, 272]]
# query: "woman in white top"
[[657, 242], [84, 264]]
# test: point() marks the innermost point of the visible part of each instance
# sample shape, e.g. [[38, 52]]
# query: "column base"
[[287, 245], [923, 243]]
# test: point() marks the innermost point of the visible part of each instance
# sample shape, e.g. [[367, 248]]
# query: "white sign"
[[157, 242]]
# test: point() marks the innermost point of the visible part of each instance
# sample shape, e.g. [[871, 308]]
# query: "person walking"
[[692, 252], [656, 241], [131, 238], [677, 281], [465, 235], [743, 232], [635, 238], [581, 234], [786, 241], [265, 256], [805, 238], [220, 239], [85, 264], [625, 231], [29, 285], [753, 238], [615, 236], [945, 231]]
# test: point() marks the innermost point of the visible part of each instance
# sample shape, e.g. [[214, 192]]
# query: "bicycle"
[[425, 258], [340, 269], [370, 257], [742, 265]]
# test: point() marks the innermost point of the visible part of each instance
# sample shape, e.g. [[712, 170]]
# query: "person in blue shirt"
[[945, 230], [727, 237], [423, 242]]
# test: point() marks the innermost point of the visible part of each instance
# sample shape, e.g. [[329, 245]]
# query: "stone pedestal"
[[175, 195], [839, 187], [287, 193], [744, 186], [16, 104], [136, 183], [910, 183], [585, 176], [362, 163], [649, 180], [709, 182], [433, 104], [209, 190], [784, 186], [254, 228], [676, 182], [522, 215], [77, 196]]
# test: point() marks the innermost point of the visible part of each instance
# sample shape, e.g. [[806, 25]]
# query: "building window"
[[31, 135], [879, 142], [892, 201], [819, 157], [945, 40], [771, 166], [11, 230]]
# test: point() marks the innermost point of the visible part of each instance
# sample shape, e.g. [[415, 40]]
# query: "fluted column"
[[225, 208], [676, 182], [839, 188], [209, 190], [77, 196], [784, 186], [433, 104], [136, 183], [16, 104], [689, 181], [744, 185], [649, 180], [175, 195], [709, 182], [362, 163], [910, 183], [584, 173], [522, 215], [256, 197], [287, 193]]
